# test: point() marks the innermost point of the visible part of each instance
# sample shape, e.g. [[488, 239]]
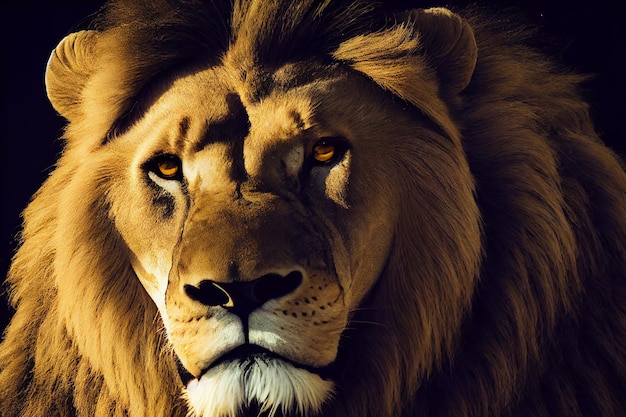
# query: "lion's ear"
[[448, 43], [69, 67]]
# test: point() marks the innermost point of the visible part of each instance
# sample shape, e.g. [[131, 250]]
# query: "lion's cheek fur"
[[426, 312], [112, 305]]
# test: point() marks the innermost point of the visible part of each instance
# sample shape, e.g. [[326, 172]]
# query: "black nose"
[[243, 297]]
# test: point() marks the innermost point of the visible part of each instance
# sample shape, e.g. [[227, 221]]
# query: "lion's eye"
[[167, 167], [328, 150], [323, 152]]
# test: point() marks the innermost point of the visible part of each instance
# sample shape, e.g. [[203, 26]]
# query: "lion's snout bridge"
[[243, 297]]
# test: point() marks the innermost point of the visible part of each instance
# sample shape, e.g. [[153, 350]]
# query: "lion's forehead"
[[214, 95]]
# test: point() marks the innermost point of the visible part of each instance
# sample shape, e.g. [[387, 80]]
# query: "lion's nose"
[[243, 297]]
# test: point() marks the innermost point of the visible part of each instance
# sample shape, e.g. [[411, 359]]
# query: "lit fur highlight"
[[273, 385]]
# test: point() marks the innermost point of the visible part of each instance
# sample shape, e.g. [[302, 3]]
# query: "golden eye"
[[323, 151], [168, 168]]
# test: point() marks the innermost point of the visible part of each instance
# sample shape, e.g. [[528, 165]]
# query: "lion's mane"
[[541, 330]]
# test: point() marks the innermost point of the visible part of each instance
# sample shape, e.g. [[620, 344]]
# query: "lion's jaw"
[[272, 385]]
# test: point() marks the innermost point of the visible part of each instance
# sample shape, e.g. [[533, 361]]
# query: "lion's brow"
[[234, 127], [183, 131]]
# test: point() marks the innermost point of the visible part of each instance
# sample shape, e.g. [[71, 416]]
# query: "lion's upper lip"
[[239, 353], [243, 352]]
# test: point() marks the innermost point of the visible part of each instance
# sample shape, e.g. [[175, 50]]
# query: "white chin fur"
[[274, 384]]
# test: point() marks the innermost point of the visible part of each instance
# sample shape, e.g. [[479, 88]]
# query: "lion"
[[317, 208]]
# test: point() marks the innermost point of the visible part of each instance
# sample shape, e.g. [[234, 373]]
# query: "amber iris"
[[168, 168], [323, 152]]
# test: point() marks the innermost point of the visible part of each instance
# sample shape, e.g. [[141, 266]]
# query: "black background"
[[589, 37]]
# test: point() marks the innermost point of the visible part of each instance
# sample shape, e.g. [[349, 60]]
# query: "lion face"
[[278, 207], [255, 227]]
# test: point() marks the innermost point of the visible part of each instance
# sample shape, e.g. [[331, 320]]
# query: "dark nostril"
[[243, 297], [209, 293], [272, 286]]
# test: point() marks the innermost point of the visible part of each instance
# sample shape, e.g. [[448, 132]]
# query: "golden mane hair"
[[541, 326]]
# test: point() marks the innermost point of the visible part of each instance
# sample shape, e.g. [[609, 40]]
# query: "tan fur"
[[464, 257]]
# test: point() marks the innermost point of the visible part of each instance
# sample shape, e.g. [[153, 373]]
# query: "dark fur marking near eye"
[[165, 204], [184, 126], [183, 131], [232, 128], [162, 201]]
